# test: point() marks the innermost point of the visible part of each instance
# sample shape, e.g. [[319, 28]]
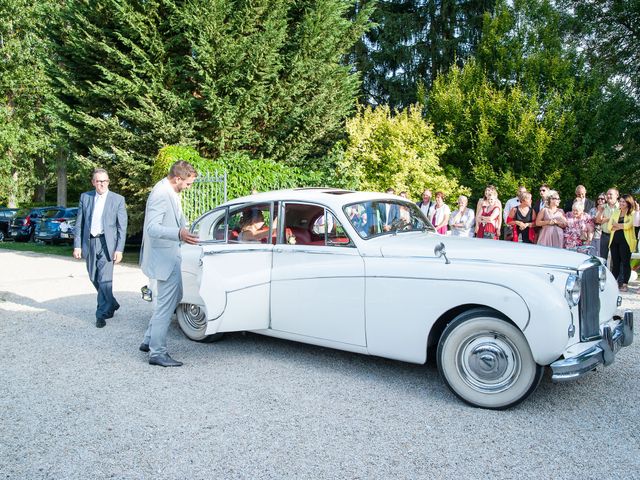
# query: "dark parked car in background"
[[51, 227], [23, 224], [6, 215]]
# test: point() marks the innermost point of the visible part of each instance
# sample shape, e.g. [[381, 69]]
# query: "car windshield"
[[377, 217]]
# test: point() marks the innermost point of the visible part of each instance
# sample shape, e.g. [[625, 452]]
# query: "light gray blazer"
[[163, 219], [114, 221]]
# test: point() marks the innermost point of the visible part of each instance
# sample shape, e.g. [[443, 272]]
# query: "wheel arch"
[[447, 317]]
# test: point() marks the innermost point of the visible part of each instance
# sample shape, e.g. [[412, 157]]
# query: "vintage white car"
[[366, 273]]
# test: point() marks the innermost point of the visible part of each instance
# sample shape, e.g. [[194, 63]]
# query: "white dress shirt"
[[97, 226], [512, 202]]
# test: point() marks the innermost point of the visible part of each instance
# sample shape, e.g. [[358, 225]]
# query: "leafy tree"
[[26, 141], [494, 135], [610, 33], [394, 149], [528, 110], [412, 42], [261, 77]]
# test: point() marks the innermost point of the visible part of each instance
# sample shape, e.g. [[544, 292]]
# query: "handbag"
[[489, 231]]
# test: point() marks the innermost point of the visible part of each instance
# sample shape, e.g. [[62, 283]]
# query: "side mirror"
[[440, 251]]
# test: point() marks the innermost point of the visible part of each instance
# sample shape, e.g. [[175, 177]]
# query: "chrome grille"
[[589, 305]]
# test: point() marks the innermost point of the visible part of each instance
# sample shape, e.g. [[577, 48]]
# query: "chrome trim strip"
[[486, 262], [220, 252]]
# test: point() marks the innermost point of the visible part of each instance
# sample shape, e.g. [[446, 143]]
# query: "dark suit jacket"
[[394, 213], [588, 205], [114, 220]]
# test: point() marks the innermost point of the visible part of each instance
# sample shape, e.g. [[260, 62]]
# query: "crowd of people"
[[607, 227]]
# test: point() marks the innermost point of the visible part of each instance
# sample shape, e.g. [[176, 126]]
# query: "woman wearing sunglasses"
[[552, 221]]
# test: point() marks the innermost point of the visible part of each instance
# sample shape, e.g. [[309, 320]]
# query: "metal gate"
[[208, 191]]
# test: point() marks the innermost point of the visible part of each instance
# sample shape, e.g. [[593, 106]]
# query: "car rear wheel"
[[193, 322], [486, 361]]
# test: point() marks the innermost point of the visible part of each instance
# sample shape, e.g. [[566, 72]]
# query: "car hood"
[[461, 248]]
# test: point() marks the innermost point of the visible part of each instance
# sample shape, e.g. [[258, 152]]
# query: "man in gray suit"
[[99, 237], [164, 229]]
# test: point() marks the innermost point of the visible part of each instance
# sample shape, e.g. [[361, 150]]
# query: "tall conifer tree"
[[262, 76]]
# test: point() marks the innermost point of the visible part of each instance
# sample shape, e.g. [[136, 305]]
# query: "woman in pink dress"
[[579, 231], [552, 220]]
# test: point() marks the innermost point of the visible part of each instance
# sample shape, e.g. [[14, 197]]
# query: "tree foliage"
[[397, 150], [610, 33], [261, 77], [25, 99], [528, 111], [413, 41]]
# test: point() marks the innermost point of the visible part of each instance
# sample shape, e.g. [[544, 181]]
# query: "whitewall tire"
[[193, 322], [486, 360]]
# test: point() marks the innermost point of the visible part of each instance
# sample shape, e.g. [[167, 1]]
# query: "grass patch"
[[131, 252]]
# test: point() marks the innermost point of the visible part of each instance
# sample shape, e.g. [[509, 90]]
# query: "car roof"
[[332, 197]]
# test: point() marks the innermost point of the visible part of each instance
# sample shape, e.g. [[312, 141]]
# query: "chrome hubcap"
[[488, 362], [194, 316]]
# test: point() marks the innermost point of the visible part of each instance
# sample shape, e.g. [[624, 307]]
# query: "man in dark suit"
[[389, 212], [99, 237], [426, 204], [539, 205], [581, 195]]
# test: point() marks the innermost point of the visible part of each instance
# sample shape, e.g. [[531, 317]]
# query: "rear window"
[[51, 213]]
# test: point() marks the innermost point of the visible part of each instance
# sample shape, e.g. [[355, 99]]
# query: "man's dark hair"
[[182, 169]]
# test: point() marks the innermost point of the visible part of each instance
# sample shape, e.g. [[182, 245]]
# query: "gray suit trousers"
[[100, 268], [168, 293]]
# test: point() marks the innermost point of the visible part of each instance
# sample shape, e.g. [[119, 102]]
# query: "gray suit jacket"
[[114, 220], [163, 219]]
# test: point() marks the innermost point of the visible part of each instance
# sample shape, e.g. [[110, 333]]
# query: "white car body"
[[395, 295]]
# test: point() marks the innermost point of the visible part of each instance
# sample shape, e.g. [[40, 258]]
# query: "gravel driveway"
[[77, 402]]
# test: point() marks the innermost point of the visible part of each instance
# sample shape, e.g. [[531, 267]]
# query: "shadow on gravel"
[[70, 306]]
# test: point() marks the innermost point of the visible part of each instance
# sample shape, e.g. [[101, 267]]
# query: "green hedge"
[[244, 174]]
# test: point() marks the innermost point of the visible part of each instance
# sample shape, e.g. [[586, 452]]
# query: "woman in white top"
[[463, 219], [441, 214]]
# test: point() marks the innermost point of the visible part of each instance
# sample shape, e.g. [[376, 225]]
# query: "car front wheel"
[[486, 361], [193, 322]]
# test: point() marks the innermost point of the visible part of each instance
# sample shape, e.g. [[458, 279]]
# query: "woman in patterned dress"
[[579, 231]]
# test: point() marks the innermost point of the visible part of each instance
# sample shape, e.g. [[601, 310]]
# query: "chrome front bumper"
[[604, 353]]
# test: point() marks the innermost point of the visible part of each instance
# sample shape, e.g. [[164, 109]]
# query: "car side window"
[[251, 224], [211, 227], [307, 224]]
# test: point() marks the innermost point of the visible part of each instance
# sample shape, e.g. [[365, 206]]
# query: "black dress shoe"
[[144, 347], [112, 311], [100, 322], [164, 360]]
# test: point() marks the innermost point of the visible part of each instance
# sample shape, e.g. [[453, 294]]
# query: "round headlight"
[[572, 290], [602, 277]]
